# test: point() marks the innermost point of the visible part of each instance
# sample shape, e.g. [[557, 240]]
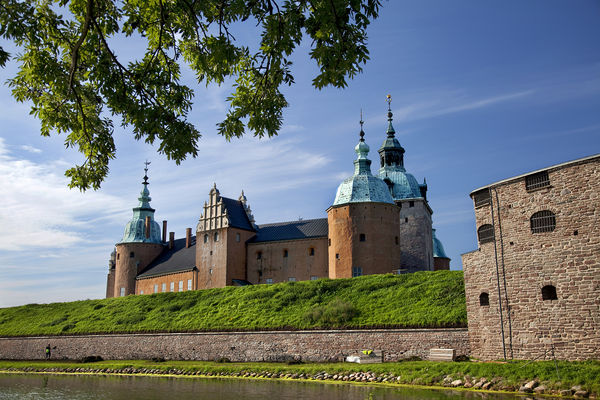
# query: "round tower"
[[411, 196], [363, 223], [140, 245]]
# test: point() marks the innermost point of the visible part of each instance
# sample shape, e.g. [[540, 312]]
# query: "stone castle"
[[532, 287], [377, 224]]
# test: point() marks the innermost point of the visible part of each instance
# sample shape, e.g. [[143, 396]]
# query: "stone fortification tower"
[[363, 223], [140, 245], [224, 227], [411, 197]]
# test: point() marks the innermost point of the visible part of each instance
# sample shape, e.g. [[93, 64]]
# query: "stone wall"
[[415, 235], [318, 346], [517, 263]]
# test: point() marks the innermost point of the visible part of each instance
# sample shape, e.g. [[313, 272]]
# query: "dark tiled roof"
[[237, 215], [310, 228], [170, 261]]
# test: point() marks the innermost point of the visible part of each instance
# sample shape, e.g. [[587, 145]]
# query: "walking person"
[[48, 352]]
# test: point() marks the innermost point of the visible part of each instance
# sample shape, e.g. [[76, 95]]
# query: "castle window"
[[189, 284], [482, 198], [291, 279], [172, 287], [337, 256], [164, 287], [329, 242], [206, 238], [411, 203], [484, 299], [122, 292], [537, 181], [259, 255], [485, 233], [141, 292], [311, 251], [397, 241], [406, 219], [269, 281], [285, 253], [543, 221], [131, 254], [362, 237], [356, 271], [181, 286], [156, 288], [314, 278], [118, 255], [210, 271], [237, 237], [549, 293], [216, 236]]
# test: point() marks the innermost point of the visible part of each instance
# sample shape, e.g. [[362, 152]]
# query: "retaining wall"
[[316, 346]]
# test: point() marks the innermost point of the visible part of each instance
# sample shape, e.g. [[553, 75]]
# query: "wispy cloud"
[[31, 149], [39, 211]]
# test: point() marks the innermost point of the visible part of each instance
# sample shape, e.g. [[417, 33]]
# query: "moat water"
[[54, 387]]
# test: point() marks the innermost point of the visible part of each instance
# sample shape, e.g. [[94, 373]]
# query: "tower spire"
[[390, 129], [362, 132]]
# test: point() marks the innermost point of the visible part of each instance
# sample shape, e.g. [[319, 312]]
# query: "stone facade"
[[314, 346], [132, 258], [415, 235], [532, 286]]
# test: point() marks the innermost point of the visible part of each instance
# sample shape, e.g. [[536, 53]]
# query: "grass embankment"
[[502, 376], [424, 299]]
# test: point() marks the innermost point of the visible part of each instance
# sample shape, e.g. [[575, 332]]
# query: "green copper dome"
[[438, 249], [402, 184], [362, 186], [135, 230]]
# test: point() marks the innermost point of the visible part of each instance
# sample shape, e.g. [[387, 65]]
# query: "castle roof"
[[402, 184], [438, 248], [135, 230], [362, 187], [304, 229], [170, 261], [238, 218]]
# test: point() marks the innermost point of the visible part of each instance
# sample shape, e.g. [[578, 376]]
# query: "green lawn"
[[508, 376], [419, 300]]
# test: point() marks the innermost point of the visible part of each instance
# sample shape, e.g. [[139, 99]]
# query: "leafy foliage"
[[423, 299], [74, 77]]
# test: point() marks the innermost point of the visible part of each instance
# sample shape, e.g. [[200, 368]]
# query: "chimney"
[[147, 227], [188, 237], [171, 239], [164, 236]]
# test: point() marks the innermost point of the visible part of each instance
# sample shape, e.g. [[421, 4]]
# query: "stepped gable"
[[303, 229], [170, 261], [223, 212]]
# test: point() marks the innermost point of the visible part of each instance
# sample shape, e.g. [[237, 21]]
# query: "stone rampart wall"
[[317, 346]]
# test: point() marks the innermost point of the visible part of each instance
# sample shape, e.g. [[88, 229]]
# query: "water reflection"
[[51, 387]]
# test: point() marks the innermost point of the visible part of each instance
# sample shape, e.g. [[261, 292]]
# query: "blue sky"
[[482, 91]]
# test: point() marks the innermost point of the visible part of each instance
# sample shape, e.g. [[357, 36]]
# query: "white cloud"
[[39, 211], [31, 149]]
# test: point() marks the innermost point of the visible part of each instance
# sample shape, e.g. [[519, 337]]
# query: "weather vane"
[[146, 172]]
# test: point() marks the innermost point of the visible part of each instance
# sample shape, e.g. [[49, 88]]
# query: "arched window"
[[485, 233], [311, 251], [259, 255], [206, 238], [285, 253], [131, 254], [543, 221], [484, 299], [549, 293], [362, 237], [216, 236]]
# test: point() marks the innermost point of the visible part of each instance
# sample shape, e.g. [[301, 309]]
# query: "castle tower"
[[363, 223], [221, 234], [140, 245], [415, 213]]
